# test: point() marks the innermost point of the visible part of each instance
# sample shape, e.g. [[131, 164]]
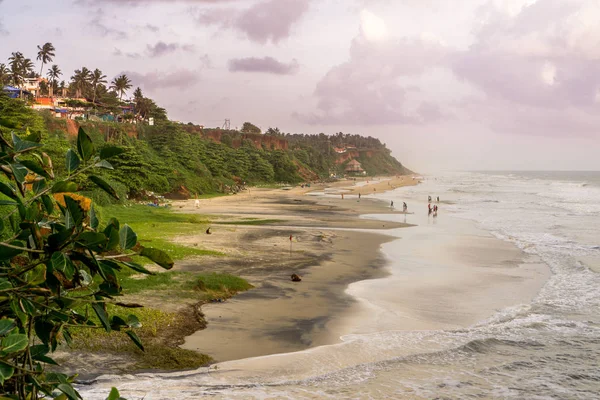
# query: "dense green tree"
[[4, 74], [81, 81], [250, 128]]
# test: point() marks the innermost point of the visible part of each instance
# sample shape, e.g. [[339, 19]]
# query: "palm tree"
[[96, 79], [63, 88], [4, 74], [53, 73], [15, 61], [45, 54], [137, 94], [81, 80], [121, 84]]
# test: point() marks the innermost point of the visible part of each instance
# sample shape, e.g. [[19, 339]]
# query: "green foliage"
[[52, 249], [250, 128], [221, 284]]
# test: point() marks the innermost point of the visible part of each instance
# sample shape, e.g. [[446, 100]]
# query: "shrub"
[[54, 260]]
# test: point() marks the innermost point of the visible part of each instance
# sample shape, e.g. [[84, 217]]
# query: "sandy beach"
[[331, 247]]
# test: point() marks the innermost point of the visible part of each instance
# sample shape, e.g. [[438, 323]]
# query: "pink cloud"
[[366, 90], [264, 65], [180, 79], [537, 69], [265, 21]]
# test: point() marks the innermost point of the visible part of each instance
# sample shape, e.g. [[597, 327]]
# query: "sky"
[[448, 85]]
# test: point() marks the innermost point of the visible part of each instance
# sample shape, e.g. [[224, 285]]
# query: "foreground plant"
[[58, 267]]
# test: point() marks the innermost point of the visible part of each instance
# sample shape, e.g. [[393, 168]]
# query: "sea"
[[547, 347]]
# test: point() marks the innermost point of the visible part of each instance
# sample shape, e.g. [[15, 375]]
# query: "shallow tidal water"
[[544, 347]]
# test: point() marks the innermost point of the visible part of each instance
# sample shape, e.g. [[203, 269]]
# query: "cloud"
[[206, 62], [98, 24], [368, 88], [267, 65], [263, 22], [161, 48], [119, 53], [151, 28], [178, 79], [536, 67]]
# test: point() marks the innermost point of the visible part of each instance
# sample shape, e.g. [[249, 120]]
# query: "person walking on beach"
[[429, 207], [429, 199], [438, 199], [392, 204], [359, 196], [404, 207]]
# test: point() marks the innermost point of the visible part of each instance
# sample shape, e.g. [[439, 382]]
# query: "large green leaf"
[[128, 237], [14, 343], [58, 239], [43, 330], [112, 233], [6, 372], [73, 161], [35, 168], [114, 395], [61, 262], [6, 253], [104, 164], [64, 187], [133, 321], [138, 268], [20, 145], [33, 136], [101, 313], [6, 325], [8, 191], [93, 218], [36, 276], [48, 203], [39, 185], [85, 147], [158, 256], [67, 389], [75, 210], [19, 172], [110, 151], [104, 186], [135, 339], [91, 238]]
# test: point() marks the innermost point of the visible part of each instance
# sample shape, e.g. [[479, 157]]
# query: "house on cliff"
[[354, 167]]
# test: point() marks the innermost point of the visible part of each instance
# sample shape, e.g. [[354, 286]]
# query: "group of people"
[[404, 206], [432, 210]]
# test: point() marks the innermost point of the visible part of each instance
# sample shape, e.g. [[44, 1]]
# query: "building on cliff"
[[354, 167]]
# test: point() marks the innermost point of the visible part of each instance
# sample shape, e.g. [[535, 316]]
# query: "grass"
[[161, 332], [220, 286], [155, 225]]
